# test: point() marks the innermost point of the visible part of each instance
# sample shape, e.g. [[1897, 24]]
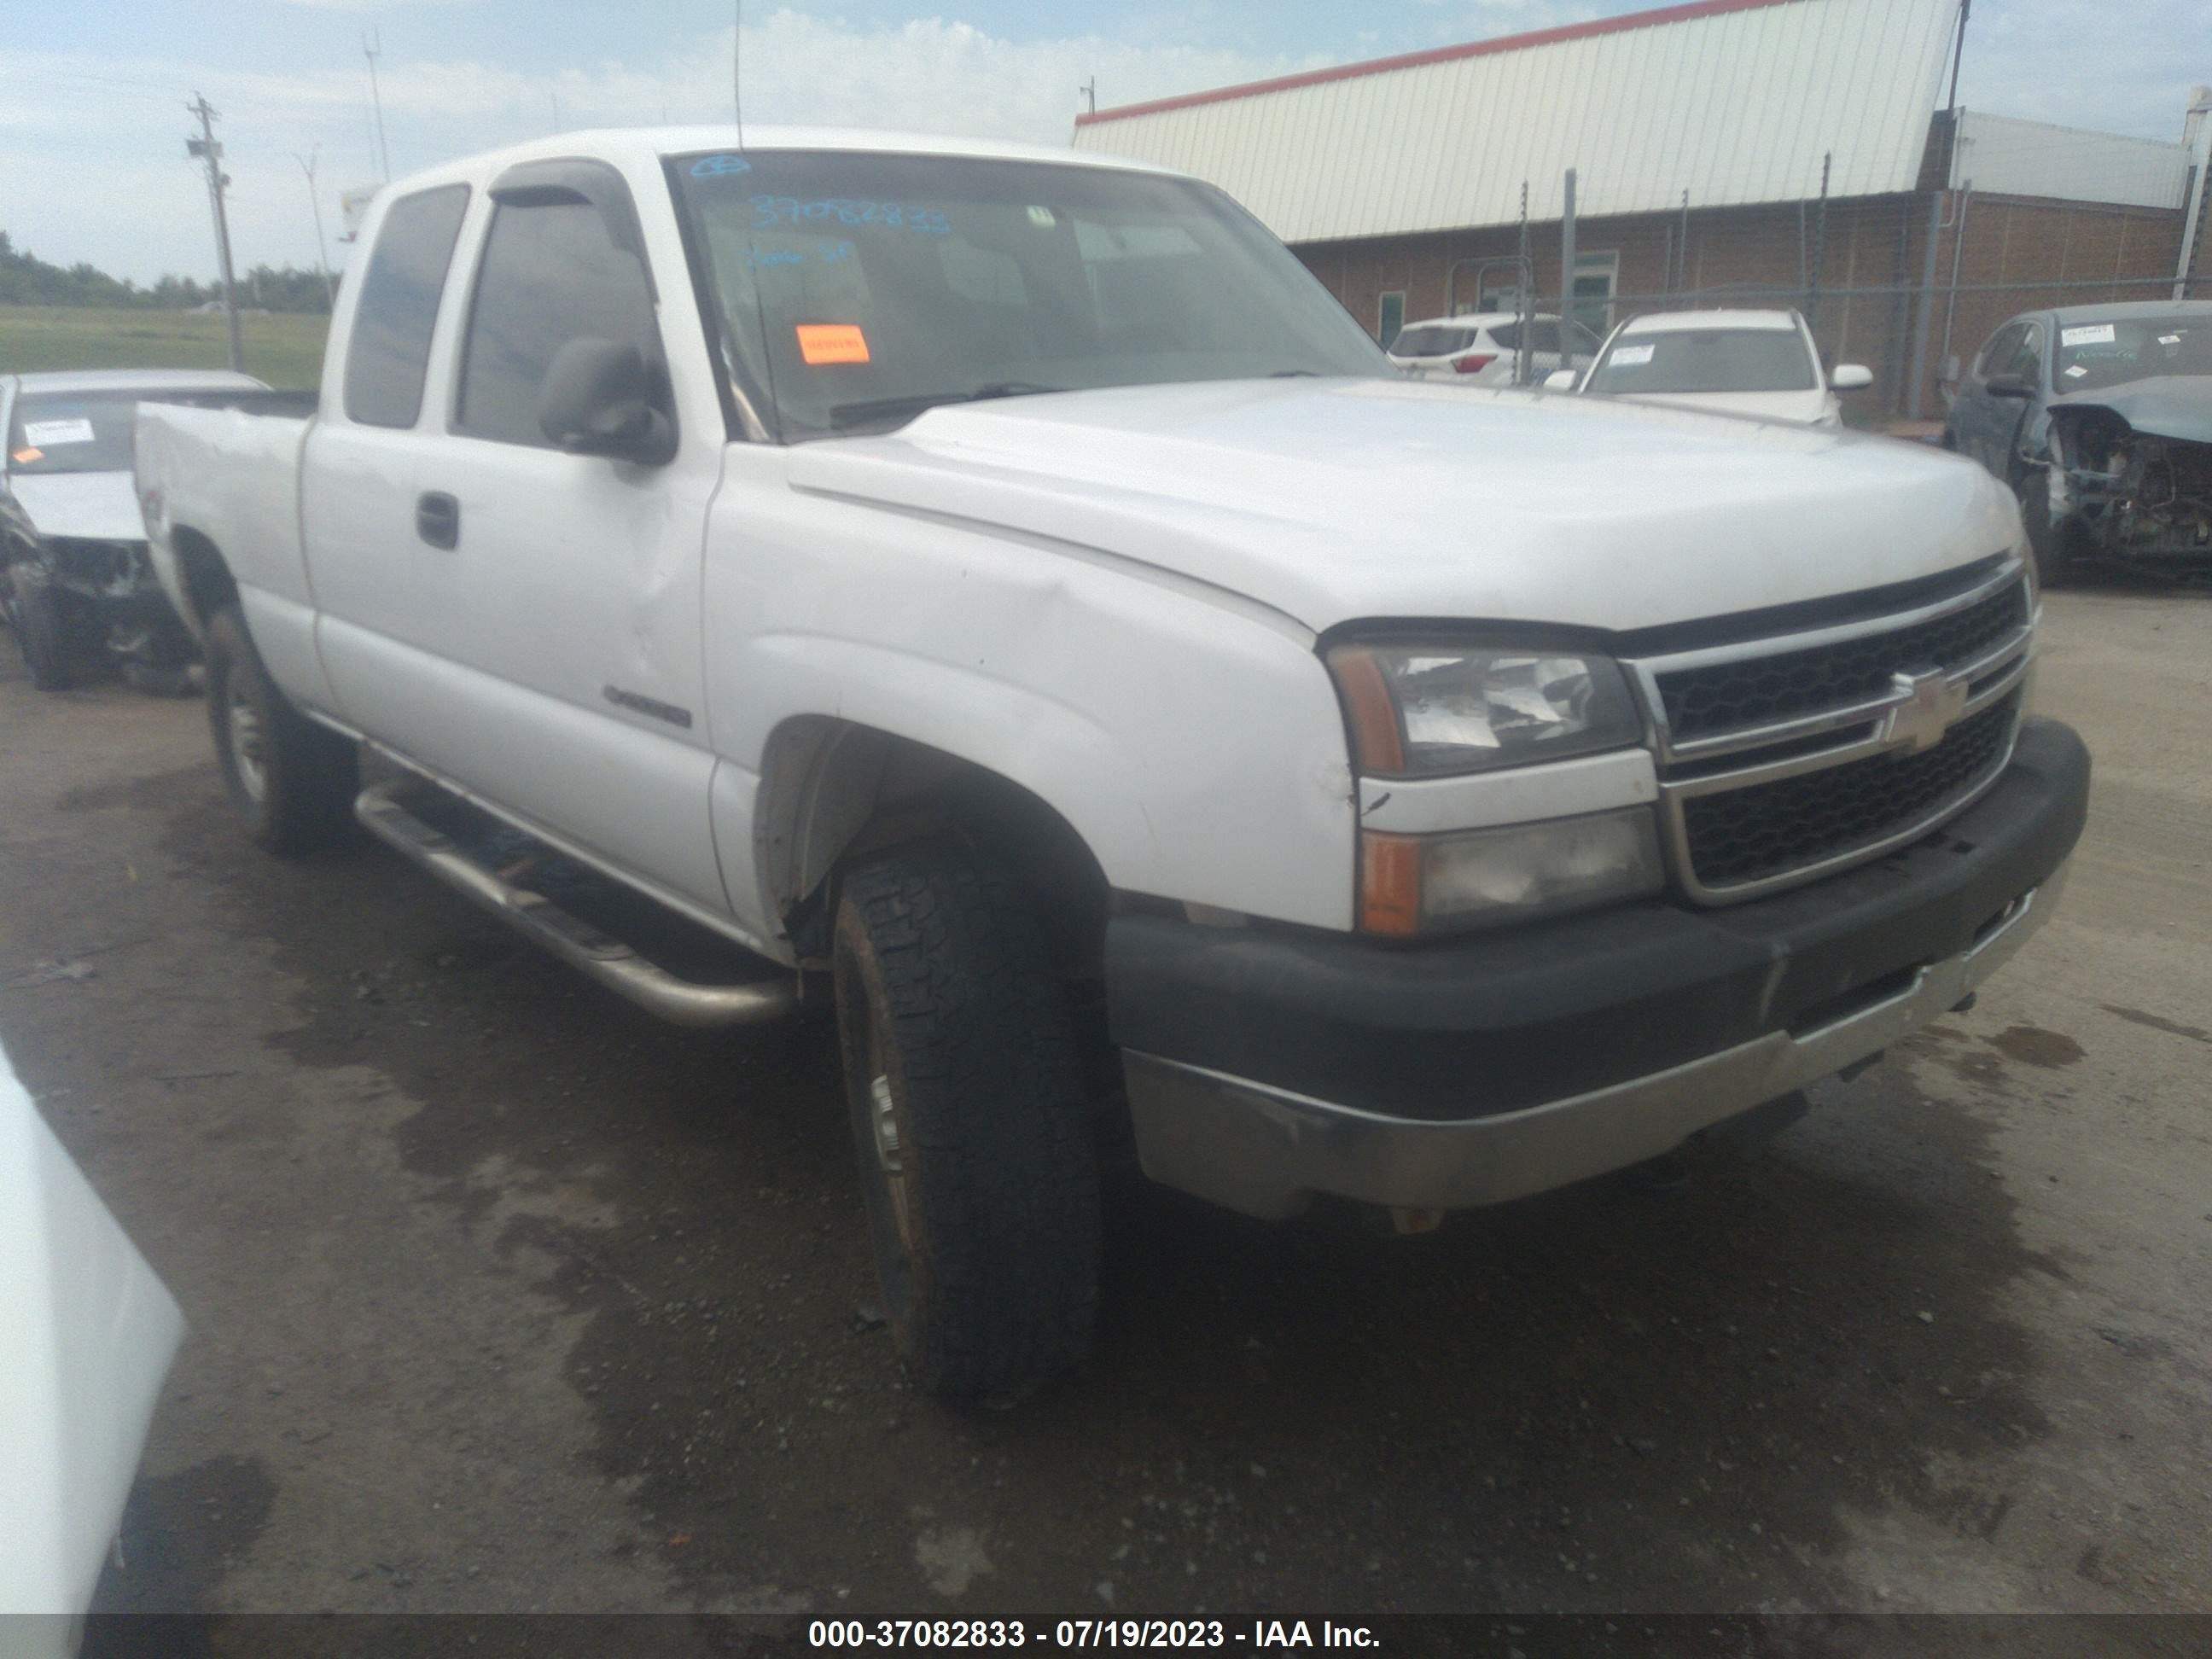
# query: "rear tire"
[[972, 1126], [292, 781], [42, 631]]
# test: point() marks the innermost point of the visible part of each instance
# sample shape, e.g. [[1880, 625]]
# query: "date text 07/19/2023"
[[1262, 1633]]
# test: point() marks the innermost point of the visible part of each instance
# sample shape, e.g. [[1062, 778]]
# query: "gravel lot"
[[504, 1296]]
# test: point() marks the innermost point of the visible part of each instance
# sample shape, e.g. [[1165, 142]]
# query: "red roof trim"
[[1634, 20]]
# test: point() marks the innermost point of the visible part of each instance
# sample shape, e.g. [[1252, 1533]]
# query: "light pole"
[[322, 251]]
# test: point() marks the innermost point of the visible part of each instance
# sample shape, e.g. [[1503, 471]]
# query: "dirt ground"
[[504, 1296]]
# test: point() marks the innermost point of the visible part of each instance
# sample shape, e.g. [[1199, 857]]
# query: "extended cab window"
[[855, 289], [389, 349], [551, 273]]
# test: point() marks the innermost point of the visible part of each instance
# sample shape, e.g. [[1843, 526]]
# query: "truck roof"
[[650, 143], [138, 380]]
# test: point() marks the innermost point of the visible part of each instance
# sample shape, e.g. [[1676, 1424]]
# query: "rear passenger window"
[[550, 274], [390, 347]]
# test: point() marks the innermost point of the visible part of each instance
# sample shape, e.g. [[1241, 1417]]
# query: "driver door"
[[556, 619]]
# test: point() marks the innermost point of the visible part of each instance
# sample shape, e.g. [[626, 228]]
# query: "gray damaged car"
[[2100, 418], [75, 588]]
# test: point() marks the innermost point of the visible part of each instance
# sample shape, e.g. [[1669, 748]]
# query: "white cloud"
[[91, 148], [100, 187]]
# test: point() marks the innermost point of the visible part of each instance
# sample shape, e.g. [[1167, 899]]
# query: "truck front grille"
[[1753, 691], [1810, 818], [1781, 760]]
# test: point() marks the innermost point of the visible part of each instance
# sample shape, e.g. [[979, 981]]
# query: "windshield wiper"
[[879, 409], [1295, 375]]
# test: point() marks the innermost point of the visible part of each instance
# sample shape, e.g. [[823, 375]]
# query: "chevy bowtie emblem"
[[1931, 704]]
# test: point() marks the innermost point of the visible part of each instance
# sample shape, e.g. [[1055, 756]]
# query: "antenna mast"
[[738, 67], [371, 43]]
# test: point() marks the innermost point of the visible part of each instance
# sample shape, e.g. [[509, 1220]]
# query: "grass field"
[[285, 351]]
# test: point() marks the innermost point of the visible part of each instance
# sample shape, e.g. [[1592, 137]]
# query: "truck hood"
[[1331, 501], [2165, 406], [98, 506]]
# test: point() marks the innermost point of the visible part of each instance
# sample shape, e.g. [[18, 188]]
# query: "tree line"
[[27, 280]]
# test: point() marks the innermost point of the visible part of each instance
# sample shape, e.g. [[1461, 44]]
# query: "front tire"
[[972, 1124], [291, 781], [42, 631]]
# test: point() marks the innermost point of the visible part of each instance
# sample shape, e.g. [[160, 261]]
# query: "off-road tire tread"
[[1005, 1188], [315, 774]]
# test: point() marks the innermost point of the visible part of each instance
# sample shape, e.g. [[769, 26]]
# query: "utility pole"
[[322, 251], [205, 148], [1819, 246], [1567, 271], [1958, 54], [1090, 91], [371, 43]]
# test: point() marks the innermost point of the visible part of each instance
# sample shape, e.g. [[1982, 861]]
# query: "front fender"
[[1194, 744]]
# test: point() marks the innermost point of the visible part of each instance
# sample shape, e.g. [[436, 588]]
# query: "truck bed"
[[224, 468]]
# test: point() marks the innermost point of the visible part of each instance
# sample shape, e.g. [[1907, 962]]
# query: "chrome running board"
[[613, 963]]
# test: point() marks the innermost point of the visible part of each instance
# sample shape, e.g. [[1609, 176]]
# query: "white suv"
[[1483, 347], [1732, 362]]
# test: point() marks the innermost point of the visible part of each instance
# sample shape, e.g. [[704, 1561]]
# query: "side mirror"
[[2007, 386], [1851, 377], [1561, 379], [600, 398]]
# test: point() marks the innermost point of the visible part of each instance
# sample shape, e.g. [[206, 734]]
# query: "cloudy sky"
[[92, 93]]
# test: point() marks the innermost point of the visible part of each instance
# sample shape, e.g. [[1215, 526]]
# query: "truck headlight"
[[1426, 711], [1473, 878]]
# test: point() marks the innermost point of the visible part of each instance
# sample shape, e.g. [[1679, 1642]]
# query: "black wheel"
[[971, 1125], [293, 781], [42, 630], [2054, 566]]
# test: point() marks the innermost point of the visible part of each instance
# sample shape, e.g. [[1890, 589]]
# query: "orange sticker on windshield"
[[832, 343], [27, 456]]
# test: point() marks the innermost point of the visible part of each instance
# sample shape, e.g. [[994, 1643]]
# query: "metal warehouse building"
[[1754, 151]]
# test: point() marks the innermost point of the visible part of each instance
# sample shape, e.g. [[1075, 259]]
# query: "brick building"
[[1754, 152]]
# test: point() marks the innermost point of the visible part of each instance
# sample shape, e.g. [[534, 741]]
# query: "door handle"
[[438, 518]]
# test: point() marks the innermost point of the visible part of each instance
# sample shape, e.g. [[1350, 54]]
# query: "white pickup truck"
[[1004, 582]]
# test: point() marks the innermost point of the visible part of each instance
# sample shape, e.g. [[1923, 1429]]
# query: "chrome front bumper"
[[1266, 1151]]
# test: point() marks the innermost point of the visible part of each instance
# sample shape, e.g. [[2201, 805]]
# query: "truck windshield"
[[2115, 350], [71, 432], [856, 289], [1706, 359]]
